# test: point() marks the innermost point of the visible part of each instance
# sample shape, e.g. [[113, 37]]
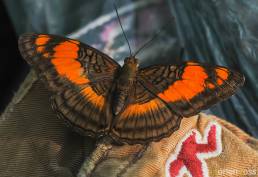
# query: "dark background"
[[13, 68]]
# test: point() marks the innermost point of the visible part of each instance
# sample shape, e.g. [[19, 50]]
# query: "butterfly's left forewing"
[[79, 76]]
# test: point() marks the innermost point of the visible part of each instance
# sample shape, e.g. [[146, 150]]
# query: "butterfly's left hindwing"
[[79, 76], [191, 87]]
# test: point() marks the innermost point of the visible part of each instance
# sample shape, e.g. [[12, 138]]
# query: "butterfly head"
[[131, 61]]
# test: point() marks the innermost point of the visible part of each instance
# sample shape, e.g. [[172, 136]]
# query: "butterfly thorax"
[[124, 83]]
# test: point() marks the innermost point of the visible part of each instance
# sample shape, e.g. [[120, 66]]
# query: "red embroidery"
[[192, 150]]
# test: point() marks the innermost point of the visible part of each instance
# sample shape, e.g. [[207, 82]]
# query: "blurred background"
[[222, 32]]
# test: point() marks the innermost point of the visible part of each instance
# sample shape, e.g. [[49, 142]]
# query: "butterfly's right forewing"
[[79, 76]]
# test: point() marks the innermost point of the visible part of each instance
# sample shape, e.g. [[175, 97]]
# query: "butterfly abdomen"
[[120, 96]]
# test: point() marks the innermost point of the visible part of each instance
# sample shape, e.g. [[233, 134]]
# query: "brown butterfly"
[[130, 104]]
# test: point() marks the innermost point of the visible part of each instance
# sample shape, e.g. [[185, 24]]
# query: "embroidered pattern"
[[192, 150]]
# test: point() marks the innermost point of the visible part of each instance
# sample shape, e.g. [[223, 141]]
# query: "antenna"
[[147, 43], [123, 30], [150, 40]]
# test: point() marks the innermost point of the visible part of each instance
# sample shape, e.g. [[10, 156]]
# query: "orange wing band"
[[190, 85], [66, 64], [222, 75], [140, 109]]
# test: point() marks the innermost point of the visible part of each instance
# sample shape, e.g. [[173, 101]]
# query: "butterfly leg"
[[136, 157], [88, 166]]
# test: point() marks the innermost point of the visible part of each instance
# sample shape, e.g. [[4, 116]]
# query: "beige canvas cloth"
[[203, 146], [35, 143]]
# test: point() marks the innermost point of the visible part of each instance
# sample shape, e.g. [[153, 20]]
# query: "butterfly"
[[132, 105]]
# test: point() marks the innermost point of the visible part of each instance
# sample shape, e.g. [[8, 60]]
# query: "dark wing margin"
[[79, 76], [191, 87], [146, 118]]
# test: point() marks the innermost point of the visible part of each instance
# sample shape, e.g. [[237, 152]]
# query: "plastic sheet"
[[223, 33]]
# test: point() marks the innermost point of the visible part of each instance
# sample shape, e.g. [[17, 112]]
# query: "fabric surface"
[[204, 146], [34, 142]]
